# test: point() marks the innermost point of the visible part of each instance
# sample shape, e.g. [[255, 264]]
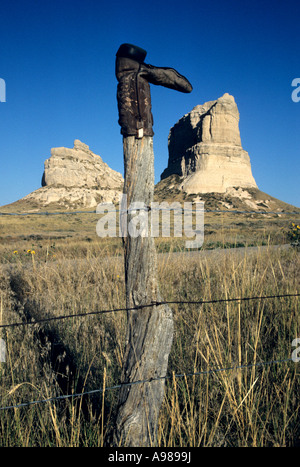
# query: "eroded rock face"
[[79, 167], [77, 178], [205, 149]]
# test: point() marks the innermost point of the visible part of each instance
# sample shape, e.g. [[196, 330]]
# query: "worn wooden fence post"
[[149, 329]]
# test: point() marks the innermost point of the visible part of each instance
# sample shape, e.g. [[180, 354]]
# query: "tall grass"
[[258, 406]]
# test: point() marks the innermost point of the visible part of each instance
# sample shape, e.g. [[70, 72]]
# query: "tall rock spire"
[[205, 148]]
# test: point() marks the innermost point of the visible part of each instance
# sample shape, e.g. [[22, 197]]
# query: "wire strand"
[[148, 305], [119, 386], [58, 213]]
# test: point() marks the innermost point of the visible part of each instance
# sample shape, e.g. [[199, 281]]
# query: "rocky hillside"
[[235, 198]]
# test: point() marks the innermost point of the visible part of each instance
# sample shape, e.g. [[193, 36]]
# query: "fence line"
[[118, 386], [173, 302], [148, 305], [138, 209]]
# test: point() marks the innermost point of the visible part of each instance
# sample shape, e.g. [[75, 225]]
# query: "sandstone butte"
[[77, 178], [205, 149]]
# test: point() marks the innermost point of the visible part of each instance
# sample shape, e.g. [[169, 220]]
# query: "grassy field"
[[56, 265], [75, 234]]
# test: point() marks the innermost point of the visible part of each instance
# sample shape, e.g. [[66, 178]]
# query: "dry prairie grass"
[[258, 406]]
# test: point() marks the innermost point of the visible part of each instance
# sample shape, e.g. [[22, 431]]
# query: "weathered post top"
[[133, 94]]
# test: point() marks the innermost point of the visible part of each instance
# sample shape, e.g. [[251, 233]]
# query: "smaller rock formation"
[[205, 149], [77, 178], [79, 167]]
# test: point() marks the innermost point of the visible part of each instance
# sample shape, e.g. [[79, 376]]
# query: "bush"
[[294, 235]]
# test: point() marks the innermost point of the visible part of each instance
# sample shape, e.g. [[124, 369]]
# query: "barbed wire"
[[150, 380], [140, 307], [148, 305], [148, 208]]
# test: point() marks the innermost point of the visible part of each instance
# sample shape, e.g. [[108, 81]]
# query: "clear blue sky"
[[58, 62]]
